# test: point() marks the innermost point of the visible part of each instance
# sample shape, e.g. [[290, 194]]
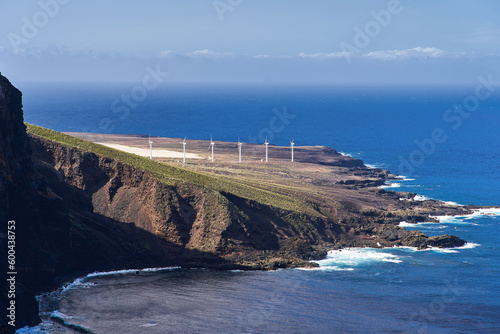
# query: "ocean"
[[443, 140]]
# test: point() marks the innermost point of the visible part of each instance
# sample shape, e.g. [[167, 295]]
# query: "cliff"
[[39, 217], [234, 220], [58, 234], [81, 207], [196, 217]]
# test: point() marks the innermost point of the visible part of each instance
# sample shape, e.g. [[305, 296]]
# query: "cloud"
[[61, 51], [64, 52], [205, 53], [320, 55], [414, 53], [209, 53], [418, 52]]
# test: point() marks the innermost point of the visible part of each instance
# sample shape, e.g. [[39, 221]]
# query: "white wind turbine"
[[292, 144], [212, 145], [184, 150], [150, 148], [239, 150], [267, 150]]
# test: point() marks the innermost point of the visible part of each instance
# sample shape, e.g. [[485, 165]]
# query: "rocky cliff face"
[[58, 232], [77, 212], [24, 199], [203, 223], [16, 168], [188, 216]]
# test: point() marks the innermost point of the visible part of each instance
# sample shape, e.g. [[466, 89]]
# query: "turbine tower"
[[212, 145], [184, 150], [150, 148], [267, 150], [239, 150], [292, 144]]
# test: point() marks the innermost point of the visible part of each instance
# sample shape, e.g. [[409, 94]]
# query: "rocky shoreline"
[[82, 207]]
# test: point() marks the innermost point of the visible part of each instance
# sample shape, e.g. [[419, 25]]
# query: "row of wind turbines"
[[212, 145]]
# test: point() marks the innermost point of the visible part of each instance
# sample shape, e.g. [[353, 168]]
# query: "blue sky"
[[331, 41]]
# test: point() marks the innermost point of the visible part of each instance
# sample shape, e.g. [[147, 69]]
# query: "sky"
[[251, 41]]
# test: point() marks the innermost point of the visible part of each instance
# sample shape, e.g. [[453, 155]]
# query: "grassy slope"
[[171, 175]]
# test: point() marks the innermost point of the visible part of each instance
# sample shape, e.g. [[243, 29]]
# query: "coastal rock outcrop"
[[446, 241], [77, 211]]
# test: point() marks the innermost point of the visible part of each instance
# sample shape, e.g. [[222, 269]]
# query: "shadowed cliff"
[[58, 233], [81, 207], [24, 199]]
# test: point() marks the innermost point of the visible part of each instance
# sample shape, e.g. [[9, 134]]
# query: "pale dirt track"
[[156, 153]]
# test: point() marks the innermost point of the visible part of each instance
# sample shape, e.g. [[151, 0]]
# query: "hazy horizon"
[[237, 41]]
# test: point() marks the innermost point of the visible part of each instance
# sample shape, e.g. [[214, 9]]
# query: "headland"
[[81, 207]]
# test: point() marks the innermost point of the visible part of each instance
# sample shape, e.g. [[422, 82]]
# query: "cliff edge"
[[30, 218], [80, 207]]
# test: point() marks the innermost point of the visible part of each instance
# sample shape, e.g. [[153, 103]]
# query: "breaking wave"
[[391, 185], [351, 258], [468, 245], [81, 282]]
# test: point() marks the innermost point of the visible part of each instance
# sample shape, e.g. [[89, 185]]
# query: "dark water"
[[354, 291]]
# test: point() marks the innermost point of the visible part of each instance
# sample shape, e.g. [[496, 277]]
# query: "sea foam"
[[452, 203], [78, 283], [81, 282], [40, 329], [129, 271], [149, 324], [350, 258], [486, 212], [371, 166], [428, 225], [421, 198], [391, 185], [404, 178], [463, 220], [456, 220], [468, 245]]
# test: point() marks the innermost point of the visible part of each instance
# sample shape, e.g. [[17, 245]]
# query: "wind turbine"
[[212, 145], [292, 144], [150, 148], [184, 150], [267, 150], [239, 150]]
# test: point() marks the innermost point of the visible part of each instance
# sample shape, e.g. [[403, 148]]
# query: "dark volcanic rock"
[[16, 167], [328, 156], [420, 240], [415, 239], [19, 201], [446, 241], [42, 228], [363, 183]]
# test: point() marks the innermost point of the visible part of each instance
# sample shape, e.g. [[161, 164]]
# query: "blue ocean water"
[[354, 291]]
